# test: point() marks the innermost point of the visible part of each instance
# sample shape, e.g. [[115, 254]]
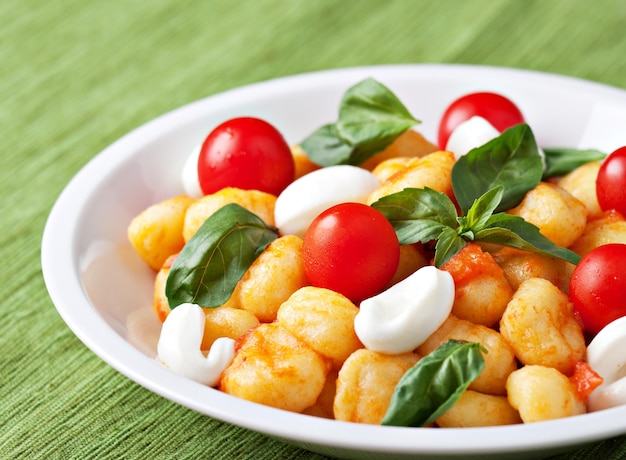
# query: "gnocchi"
[[156, 233], [540, 325], [481, 289], [499, 358], [260, 203], [324, 320], [365, 384], [432, 170], [275, 368], [474, 409], [610, 227], [274, 276], [543, 393], [560, 217]]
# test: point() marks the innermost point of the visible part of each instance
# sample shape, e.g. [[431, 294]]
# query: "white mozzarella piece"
[[179, 346], [189, 176], [470, 134], [605, 355], [304, 199], [401, 318]]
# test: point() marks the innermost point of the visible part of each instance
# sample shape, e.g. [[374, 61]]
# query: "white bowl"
[[103, 291]]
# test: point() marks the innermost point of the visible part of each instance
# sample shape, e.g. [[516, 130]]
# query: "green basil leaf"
[[511, 160], [326, 148], [559, 162], [362, 152], [212, 262], [482, 209], [369, 111], [434, 384], [417, 215], [449, 244], [371, 117], [514, 231]]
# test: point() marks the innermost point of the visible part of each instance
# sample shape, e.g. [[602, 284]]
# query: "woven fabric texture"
[[75, 75]]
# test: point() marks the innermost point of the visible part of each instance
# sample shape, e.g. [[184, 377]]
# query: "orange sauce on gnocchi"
[[472, 263]]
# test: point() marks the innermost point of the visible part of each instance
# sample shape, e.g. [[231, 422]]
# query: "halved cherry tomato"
[[598, 285], [611, 182], [247, 153], [495, 108], [352, 249]]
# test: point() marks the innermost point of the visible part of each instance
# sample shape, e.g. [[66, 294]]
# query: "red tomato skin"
[[611, 182], [498, 110], [351, 248], [598, 285], [246, 153]]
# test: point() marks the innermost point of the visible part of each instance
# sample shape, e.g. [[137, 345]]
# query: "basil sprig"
[[560, 161], [212, 262], [371, 117], [488, 180], [511, 160], [434, 384]]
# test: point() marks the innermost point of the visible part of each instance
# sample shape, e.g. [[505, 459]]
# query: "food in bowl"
[[494, 284]]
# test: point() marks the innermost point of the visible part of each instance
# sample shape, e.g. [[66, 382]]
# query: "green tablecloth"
[[75, 75]]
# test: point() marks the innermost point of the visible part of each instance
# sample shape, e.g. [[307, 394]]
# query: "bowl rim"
[[61, 272]]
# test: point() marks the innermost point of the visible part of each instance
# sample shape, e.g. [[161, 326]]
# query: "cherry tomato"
[[352, 249], [598, 285], [496, 109], [611, 182], [246, 153]]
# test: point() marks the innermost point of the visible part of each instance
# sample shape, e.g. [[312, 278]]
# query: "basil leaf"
[[434, 384], [369, 112], [511, 160], [326, 148], [362, 152], [371, 117], [449, 244], [417, 215], [217, 256], [482, 209], [559, 162], [514, 231]]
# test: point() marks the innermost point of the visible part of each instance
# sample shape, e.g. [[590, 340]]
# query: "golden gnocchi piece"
[[540, 325], [560, 217], [226, 322], [157, 232], [518, 266], [409, 144], [276, 274], [303, 165], [481, 289], [385, 169], [366, 383], [411, 260], [499, 360], [543, 393], [433, 170], [260, 203], [323, 407], [610, 227], [160, 302], [274, 368], [474, 409], [581, 184], [324, 320]]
